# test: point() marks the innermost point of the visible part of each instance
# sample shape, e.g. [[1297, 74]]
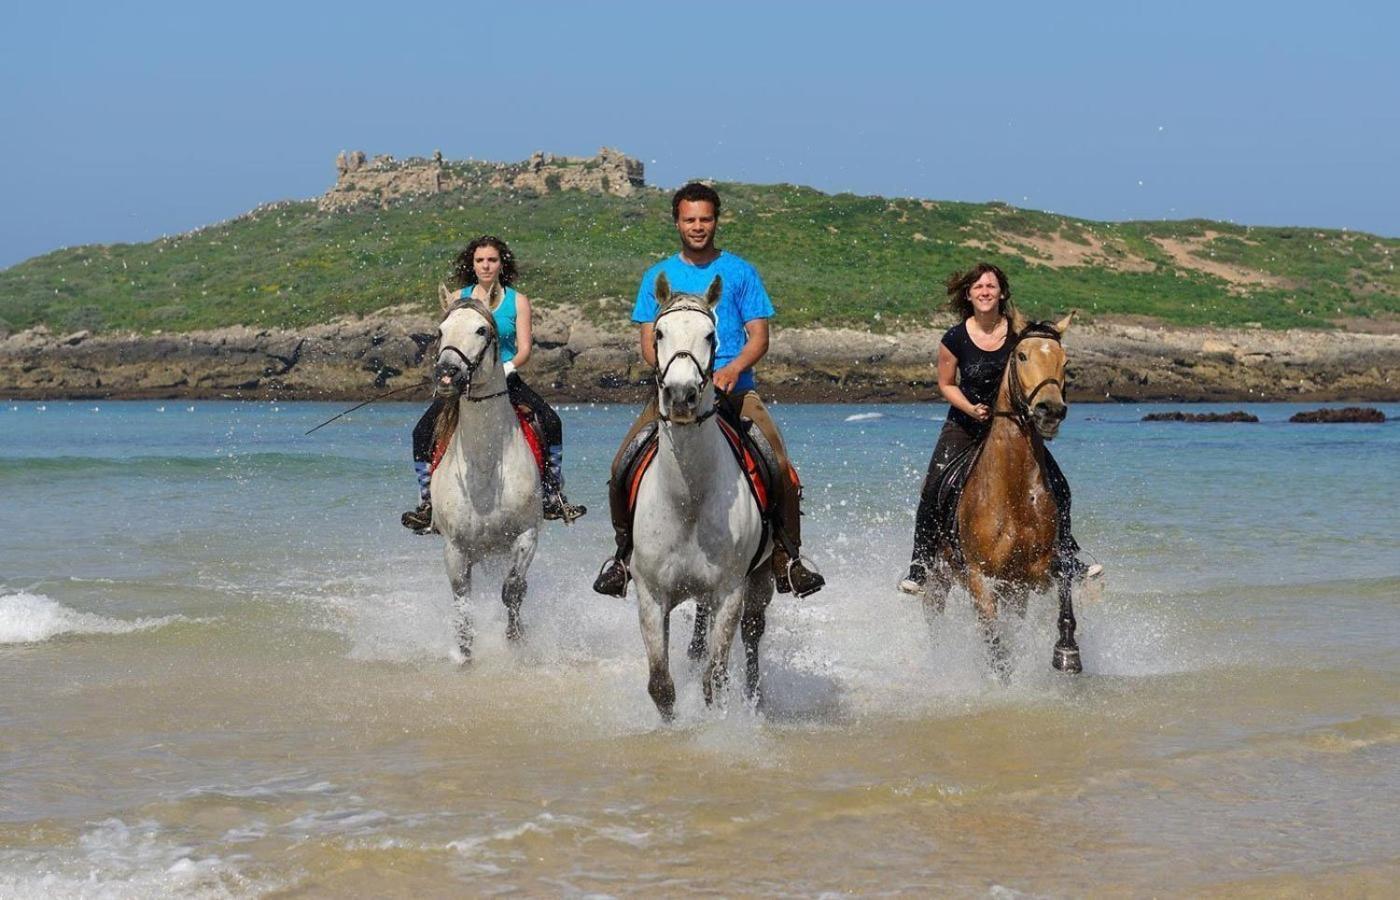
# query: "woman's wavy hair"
[[959, 283], [464, 273]]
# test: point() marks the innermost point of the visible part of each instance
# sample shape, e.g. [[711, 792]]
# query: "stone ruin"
[[382, 180]]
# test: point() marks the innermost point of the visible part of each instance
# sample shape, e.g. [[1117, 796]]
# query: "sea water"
[[225, 669]]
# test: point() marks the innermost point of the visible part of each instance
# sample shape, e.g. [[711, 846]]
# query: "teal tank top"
[[505, 321]]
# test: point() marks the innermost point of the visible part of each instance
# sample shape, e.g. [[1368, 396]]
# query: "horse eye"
[[481, 329], [658, 334], [1021, 356]]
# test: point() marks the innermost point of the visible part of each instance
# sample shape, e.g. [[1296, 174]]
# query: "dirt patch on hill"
[[1194, 253], [1056, 251]]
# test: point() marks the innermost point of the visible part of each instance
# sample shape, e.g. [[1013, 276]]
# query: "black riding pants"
[[520, 394]]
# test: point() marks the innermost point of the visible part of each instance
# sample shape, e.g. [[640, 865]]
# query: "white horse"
[[698, 533], [486, 487]]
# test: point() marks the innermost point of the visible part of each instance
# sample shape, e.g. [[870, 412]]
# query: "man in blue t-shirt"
[[741, 332]]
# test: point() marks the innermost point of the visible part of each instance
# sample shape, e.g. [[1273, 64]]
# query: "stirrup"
[[556, 509], [807, 590], [420, 520], [609, 587]]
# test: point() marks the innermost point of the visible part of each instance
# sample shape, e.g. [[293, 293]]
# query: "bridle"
[[1021, 401], [470, 366], [707, 372]]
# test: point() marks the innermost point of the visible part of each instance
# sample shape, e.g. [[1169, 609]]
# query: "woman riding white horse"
[[698, 532], [486, 487]]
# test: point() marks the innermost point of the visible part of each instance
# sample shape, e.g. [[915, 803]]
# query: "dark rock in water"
[[1367, 414], [1236, 416]]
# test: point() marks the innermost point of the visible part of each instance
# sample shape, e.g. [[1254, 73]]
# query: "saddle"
[[529, 426], [949, 489], [755, 458]]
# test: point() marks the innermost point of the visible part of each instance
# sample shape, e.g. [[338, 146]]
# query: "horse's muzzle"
[[449, 378], [1048, 415], [682, 402]]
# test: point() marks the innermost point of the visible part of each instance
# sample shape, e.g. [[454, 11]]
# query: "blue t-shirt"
[[743, 298], [505, 315]]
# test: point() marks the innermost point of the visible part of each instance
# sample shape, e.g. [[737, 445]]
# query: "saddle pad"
[[527, 426], [755, 472]]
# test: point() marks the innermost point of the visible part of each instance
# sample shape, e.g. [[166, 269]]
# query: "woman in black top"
[[971, 359]]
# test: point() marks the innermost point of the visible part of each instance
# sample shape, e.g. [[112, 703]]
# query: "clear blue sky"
[[122, 122]]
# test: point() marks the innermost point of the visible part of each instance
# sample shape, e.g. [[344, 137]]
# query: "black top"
[[979, 371]]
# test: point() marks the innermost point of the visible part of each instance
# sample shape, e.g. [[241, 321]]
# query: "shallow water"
[[226, 670]]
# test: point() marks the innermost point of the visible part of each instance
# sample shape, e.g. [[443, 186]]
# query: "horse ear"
[[1063, 325], [716, 289], [444, 296], [662, 291], [1018, 321]]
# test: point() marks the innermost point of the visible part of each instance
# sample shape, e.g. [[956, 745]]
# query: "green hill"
[[827, 259]]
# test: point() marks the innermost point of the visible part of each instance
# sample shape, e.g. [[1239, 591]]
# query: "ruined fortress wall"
[[382, 180]]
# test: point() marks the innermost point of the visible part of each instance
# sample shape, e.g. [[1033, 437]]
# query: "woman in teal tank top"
[[486, 269]]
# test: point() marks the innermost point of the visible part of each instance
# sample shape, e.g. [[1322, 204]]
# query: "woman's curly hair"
[[464, 273]]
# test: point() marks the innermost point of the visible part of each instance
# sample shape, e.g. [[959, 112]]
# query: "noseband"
[[492, 343], [707, 372], [1020, 400]]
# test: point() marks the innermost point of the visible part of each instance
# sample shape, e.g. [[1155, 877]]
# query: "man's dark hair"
[[694, 192], [464, 273], [959, 283]]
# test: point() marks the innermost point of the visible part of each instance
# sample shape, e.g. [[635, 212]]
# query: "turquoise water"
[[197, 600]]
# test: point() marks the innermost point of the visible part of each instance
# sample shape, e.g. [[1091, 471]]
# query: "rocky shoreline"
[[575, 360]]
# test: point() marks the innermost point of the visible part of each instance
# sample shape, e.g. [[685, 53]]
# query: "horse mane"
[[1045, 329], [446, 423]]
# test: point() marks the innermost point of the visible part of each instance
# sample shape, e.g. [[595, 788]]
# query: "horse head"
[[467, 342], [1035, 377], [685, 352]]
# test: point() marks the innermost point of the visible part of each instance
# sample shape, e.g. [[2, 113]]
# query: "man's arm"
[[646, 334], [754, 349]]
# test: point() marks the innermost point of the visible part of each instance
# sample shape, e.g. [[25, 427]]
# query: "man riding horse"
[[742, 340]]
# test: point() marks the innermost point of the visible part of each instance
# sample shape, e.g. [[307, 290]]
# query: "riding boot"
[[420, 520], [556, 505], [790, 572], [613, 577]]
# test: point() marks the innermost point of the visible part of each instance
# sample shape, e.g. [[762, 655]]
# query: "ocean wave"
[[863, 417], [31, 618]]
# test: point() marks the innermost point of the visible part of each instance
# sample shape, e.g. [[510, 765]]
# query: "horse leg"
[[986, 601], [656, 635], [459, 576], [722, 627], [522, 553], [935, 594], [1066, 657], [697, 637], [757, 594]]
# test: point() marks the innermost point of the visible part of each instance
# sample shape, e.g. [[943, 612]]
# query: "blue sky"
[[122, 122]]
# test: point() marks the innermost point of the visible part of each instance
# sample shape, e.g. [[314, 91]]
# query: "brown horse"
[[1007, 518]]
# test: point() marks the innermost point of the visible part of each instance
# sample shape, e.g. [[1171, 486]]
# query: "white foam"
[[30, 618], [115, 860], [864, 417]]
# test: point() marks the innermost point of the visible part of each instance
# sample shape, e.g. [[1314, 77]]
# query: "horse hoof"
[[514, 630], [1067, 660], [696, 650]]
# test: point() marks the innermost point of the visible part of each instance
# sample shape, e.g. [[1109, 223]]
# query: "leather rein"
[[471, 365], [707, 372]]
